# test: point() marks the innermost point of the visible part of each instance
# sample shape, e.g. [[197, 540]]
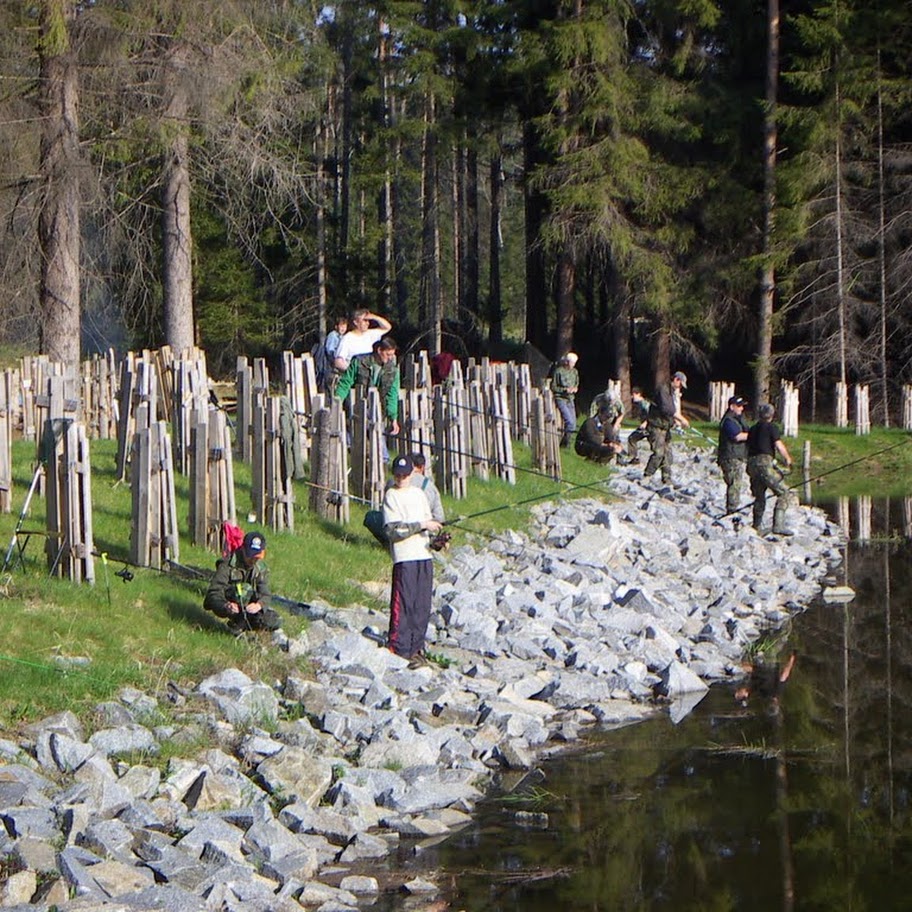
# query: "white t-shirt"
[[355, 343], [408, 505]]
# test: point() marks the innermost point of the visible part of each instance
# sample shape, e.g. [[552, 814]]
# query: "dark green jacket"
[[564, 380], [234, 581], [367, 371]]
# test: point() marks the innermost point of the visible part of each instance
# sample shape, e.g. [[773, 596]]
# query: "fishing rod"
[[839, 468], [713, 443]]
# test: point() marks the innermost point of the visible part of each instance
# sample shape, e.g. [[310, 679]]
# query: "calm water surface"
[[734, 808]]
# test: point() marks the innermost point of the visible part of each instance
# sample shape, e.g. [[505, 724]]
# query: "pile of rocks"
[[304, 784]]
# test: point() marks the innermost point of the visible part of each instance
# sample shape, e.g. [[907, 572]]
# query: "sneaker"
[[782, 531], [418, 660]]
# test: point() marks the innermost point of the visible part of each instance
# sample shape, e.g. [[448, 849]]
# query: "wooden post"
[[788, 408], [6, 450], [862, 409], [842, 405], [720, 391], [244, 408], [154, 536], [907, 407], [329, 464], [69, 545]]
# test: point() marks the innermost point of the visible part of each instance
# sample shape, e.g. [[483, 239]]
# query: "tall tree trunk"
[[458, 193], [430, 253], [400, 237], [534, 205], [495, 304], [763, 358], [345, 156], [177, 265], [566, 303], [58, 218], [661, 356], [472, 271], [385, 203], [840, 256], [881, 249], [320, 219], [623, 313]]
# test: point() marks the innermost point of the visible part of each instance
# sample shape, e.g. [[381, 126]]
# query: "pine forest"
[[723, 186]]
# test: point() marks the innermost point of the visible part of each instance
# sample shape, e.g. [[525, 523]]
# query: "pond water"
[[796, 802]]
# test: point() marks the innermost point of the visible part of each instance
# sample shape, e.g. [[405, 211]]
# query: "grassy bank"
[[841, 462], [72, 646]]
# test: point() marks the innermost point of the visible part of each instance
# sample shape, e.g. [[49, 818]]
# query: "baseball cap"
[[680, 375], [737, 400], [254, 544], [402, 465]]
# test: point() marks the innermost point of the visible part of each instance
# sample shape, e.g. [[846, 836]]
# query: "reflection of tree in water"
[[806, 810], [864, 705]]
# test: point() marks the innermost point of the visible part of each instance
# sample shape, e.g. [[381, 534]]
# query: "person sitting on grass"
[[239, 590]]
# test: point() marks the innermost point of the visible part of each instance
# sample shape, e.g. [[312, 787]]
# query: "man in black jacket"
[[664, 414], [733, 451], [594, 438]]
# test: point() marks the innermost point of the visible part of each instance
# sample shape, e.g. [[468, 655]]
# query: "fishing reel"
[[125, 574], [440, 541]]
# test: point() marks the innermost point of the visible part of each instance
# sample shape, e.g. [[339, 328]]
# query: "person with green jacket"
[[239, 590], [380, 370]]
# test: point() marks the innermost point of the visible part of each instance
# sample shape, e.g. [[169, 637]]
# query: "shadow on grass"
[[192, 614]]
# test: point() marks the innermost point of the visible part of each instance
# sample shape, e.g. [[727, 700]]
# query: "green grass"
[[843, 463], [153, 629]]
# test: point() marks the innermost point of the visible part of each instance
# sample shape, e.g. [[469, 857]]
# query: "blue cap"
[[402, 465], [254, 544]]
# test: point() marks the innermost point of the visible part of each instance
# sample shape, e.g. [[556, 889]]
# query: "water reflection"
[[857, 517], [804, 805]]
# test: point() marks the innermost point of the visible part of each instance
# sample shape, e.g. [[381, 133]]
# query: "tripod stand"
[[15, 544]]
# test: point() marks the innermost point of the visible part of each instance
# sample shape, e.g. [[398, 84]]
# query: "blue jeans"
[[567, 409]]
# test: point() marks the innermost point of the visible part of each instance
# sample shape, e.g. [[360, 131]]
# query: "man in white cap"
[[565, 385], [664, 415]]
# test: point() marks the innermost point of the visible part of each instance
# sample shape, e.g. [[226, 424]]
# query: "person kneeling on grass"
[[239, 590], [407, 521]]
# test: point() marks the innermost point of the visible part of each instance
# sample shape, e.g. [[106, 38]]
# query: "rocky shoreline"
[[609, 613]]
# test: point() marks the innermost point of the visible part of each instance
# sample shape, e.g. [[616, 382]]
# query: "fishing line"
[[839, 468]]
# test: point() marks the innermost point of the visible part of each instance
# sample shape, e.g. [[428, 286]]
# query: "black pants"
[[410, 606]]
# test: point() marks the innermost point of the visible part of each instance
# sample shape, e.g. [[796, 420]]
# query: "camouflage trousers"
[[733, 473], [636, 435], [766, 476], [662, 457]]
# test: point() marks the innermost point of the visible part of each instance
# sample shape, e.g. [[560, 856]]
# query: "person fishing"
[[764, 444], [239, 590], [664, 415]]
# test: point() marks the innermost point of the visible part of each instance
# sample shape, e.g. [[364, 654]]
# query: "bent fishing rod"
[[839, 468]]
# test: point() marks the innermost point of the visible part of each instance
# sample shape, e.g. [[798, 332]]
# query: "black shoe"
[[237, 626]]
